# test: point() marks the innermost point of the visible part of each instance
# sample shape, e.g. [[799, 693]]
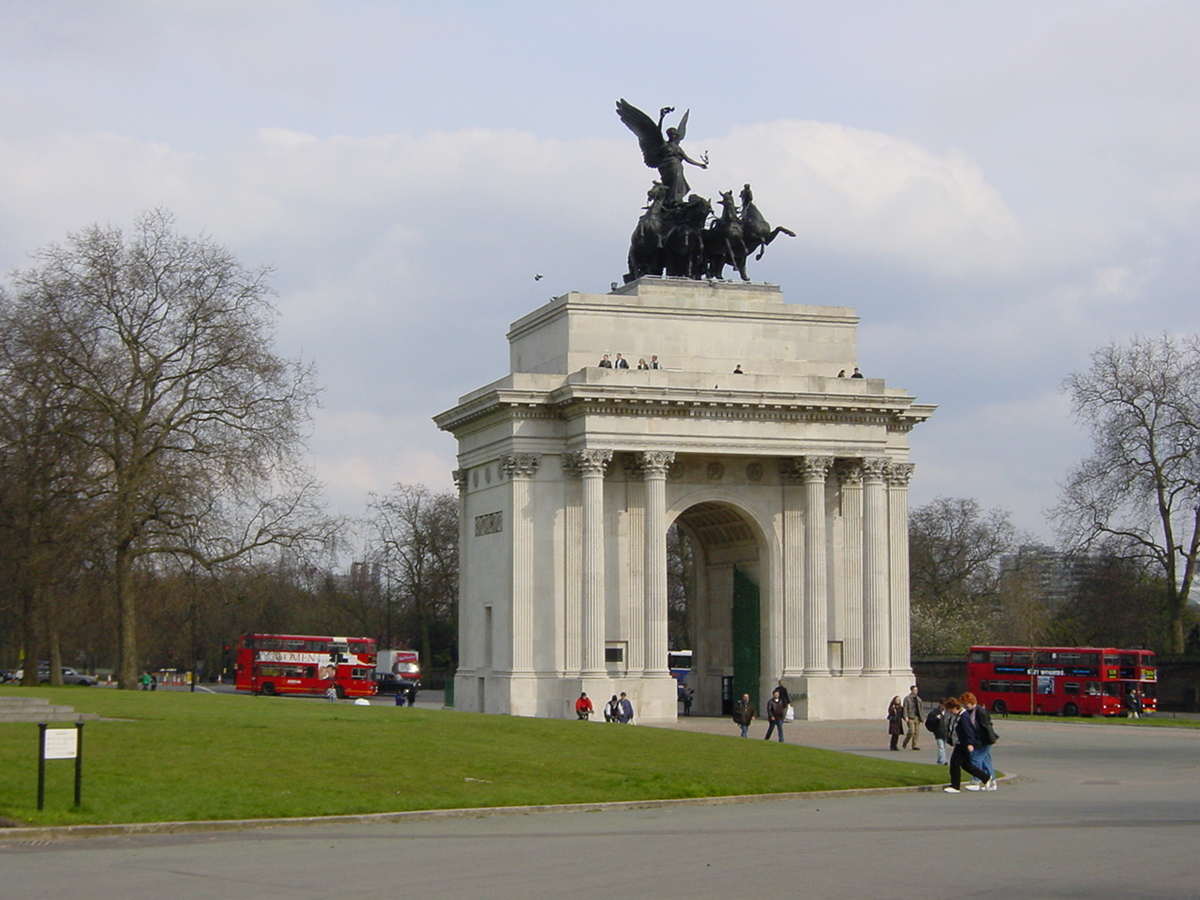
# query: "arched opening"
[[714, 610]]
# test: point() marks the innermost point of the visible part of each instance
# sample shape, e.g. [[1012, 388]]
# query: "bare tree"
[[954, 554], [192, 425], [413, 539], [44, 510], [1139, 491], [681, 588]]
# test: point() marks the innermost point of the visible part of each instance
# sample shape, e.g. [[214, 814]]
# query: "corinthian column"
[[876, 637], [520, 467], [591, 465], [468, 657], [850, 475], [789, 645], [898, 475], [654, 468], [816, 592]]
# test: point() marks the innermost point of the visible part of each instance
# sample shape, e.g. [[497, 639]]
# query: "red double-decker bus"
[[305, 664], [1071, 681]]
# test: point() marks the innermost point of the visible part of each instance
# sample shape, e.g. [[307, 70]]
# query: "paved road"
[[1097, 812]]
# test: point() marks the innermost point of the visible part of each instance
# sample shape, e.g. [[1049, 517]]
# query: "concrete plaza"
[[1094, 811]]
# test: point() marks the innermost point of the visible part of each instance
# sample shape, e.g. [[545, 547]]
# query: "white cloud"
[[402, 259], [858, 192]]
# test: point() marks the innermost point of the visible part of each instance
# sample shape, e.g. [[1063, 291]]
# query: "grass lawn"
[[177, 756], [1160, 720]]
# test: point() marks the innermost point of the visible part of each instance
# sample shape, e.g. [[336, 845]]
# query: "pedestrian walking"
[[624, 706], [981, 756], [744, 713], [912, 717], [776, 711], [943, 723], [895, 720], [966, 739]]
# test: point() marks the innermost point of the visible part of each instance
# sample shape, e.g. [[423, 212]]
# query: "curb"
[[59, 832]]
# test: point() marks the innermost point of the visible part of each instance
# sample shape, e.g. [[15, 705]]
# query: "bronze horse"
[[683, 244], [724, 241], [756, 231], [646, 244]]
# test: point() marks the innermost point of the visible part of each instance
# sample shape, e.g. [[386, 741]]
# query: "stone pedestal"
[[791, 482]]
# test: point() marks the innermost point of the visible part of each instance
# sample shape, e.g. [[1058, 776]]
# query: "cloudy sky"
[[997, 188]]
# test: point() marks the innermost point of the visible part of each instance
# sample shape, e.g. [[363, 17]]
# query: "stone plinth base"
[[553, 696], [859, 697]]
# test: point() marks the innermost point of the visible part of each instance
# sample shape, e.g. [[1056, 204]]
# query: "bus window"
[[1070, 687]]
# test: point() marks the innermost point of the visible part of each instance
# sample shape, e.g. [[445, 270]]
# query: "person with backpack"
[[966, 739], [937, 723]]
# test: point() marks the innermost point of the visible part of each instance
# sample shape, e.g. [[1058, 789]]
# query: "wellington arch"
[[790, 482]]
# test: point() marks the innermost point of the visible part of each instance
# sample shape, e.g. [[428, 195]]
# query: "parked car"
[[387, 683], [69, 676]]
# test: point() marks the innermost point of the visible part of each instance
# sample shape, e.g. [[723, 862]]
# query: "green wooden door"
[[747, 654]]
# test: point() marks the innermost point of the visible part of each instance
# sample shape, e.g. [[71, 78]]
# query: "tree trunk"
[[127, 664], [32, 636]]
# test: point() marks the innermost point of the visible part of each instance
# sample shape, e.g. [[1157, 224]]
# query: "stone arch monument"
[[790, 482]]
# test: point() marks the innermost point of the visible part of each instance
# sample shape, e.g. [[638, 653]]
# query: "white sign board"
[[62, 743]]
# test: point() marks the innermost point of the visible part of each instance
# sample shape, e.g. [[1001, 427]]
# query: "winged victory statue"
[[662, 151]]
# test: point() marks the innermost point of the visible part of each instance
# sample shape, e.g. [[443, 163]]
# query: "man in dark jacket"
[[744, 713], [966, 739], [776, 711]]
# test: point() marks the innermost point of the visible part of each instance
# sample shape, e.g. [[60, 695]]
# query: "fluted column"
[[591, 464], [467, 651], [816, 590], [791, 628], [520, 468], [850, 474], [898, 476], [876, 630], [654, 469]]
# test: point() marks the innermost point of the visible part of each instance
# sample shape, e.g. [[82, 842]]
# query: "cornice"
[[570, 401]]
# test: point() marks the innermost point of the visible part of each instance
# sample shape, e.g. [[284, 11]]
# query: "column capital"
[[520, 465], [460, 479], [873, 468], [898, 474], [815, 468], [655, 463], [587, 462], [849, 471]]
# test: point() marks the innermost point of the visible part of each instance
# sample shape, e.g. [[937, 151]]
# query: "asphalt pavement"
[[1090, 811]]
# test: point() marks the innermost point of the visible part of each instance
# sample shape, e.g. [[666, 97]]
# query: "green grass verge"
[[187, 757], [1159, 721]]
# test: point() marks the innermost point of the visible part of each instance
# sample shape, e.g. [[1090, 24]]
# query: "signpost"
[[60, 743]]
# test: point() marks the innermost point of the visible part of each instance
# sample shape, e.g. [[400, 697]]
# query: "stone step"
[[58, 715], [39, 709]]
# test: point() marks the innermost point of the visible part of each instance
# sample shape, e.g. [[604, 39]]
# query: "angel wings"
[[661, 151], [649, 133]]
